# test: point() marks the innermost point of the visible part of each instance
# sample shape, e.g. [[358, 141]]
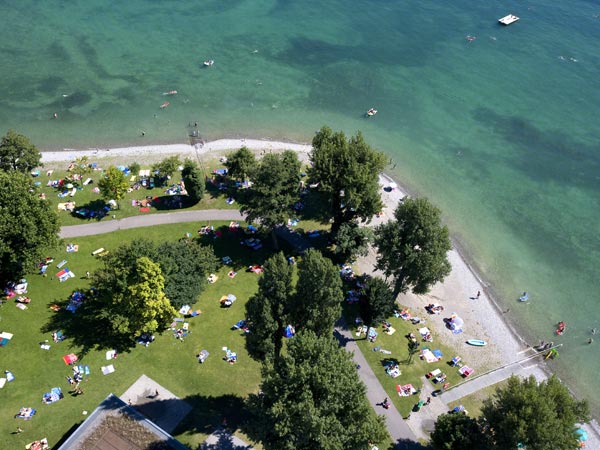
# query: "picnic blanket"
[[202, 356], [53, 396], [25, 413], [42, 444], [428, 355], [69, 359], [107, 369], [64, 275], [406, 390], [5, 338]]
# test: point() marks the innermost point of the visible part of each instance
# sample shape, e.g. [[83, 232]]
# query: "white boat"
[[507, 20], [208, 62]]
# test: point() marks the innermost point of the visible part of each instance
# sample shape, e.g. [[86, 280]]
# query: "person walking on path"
[[156, 393], [386, 403], [428, 401], [478, 294]]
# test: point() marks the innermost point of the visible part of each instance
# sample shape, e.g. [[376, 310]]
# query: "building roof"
[[114, 425]]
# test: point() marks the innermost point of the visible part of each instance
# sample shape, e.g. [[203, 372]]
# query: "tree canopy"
[[319, 295], [352, 241], [185, 266], [313, 399], [413, 248], [241, 164], [521, 414], [377, 302], [347, 173], [113, 185], [28, 226], [541, 416], [167, 167], [136, 305], [267, 309], [458, 432], [18, 154], [193, 178], [275, 191]]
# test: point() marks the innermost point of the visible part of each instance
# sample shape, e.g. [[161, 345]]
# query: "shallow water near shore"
[[500, 132]]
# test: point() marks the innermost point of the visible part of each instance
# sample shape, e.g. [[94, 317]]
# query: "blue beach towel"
[[87, 370]]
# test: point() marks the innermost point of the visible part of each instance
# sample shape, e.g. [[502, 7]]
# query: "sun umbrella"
[[581, 434]]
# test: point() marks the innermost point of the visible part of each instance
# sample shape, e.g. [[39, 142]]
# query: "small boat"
[[560, 328], [476, 342], [164, 105], [507, 20], [170, 93], [371, 112], [208, 63]]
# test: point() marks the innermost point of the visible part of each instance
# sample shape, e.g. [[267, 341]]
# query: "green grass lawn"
[[215, 389], [84, 195], [397, 344], [474, 401]]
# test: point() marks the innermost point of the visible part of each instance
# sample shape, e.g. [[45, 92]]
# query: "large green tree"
[[274, 192], [193, 178], [113, 184], [167, 167], [241, 164], [347, 173], [521, 414], [413, 247], [135, 305], [319, 295], [28, 226], [540, 416], [18, 154], [267, 309], [185, 266], [313, 399], [352, 241], [459, 432], [377, 302]]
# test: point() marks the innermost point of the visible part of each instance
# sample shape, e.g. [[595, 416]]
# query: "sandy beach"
[[483, 318]]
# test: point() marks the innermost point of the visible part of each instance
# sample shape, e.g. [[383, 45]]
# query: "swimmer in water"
[[55, 115], [471, 38], [254, 52]]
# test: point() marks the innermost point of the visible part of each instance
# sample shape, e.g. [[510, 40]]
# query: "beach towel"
[[107, 369], [42, 444], [98, 251], [53, 396], [438, 354], [428, 356], [2, 382], [186, 326], [145, 209], [25, 413], [45, 346], [406, 390], [87, 181], [111, 354], [69, 359], [5, 338], [64, 275], [21, 306], [86, 370], [184, 309], [203, 355], [61, 264], [72, 248], [196, 313]]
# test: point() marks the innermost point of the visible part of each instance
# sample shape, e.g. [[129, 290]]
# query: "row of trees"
[[311, 396], [28, 225], [412, 248]]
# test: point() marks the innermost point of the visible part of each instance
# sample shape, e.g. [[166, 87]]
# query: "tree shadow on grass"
[[86, 329], [94, 210], [171, 202], [209, 414]]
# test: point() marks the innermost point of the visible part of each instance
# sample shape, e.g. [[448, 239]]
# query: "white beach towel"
[[107, 369]]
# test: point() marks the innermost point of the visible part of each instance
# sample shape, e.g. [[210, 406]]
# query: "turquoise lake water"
[[501, 132]]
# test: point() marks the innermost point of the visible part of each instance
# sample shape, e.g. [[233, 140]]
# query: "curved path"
[[402, 436]]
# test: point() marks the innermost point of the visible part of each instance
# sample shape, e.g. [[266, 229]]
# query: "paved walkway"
[[399, 431], [109, 225]]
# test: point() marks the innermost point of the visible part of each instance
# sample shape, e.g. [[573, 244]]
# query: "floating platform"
[[507, 20]]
